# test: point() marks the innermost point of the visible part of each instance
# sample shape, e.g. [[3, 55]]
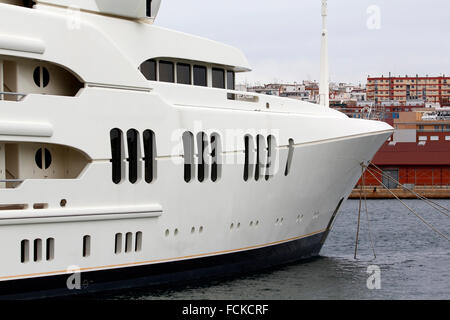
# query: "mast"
[[324, 89]]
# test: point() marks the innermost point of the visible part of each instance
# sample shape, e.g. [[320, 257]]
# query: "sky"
[[281, 38]]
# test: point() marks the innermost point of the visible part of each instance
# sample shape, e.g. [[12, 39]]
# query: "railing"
[[17, 95], [12, 183]]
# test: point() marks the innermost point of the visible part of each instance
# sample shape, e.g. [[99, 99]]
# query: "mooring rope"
[[433, 204], [359, 218], [367, 216], [415, 213]]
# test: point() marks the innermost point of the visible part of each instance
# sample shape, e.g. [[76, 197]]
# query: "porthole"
[[41, 77], [43, 158]]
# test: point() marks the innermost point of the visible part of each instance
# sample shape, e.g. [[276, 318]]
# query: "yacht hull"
[[185, 272]]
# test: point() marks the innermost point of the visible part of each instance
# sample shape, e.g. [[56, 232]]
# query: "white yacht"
[[127, 158]]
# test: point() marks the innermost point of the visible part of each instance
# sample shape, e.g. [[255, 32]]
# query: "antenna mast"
[[324, 89]]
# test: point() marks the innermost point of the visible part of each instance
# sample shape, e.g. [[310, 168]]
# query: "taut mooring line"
[[415, 213]]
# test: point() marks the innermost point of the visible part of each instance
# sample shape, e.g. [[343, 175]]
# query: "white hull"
[[177, 221]]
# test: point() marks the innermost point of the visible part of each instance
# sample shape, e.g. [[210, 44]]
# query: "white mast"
[[324, 90]]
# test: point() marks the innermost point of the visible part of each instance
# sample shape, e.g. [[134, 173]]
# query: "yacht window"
[[200, 78], [116, 155], [148, 69], [188, 144], [166, 71], [218, 78], [50, 249], [216, 163], [132, 139], [86, 246], [149, 155], [231, 80], [183, 73], [202, 143], [290, 156], [271, 156], [231, 84], [260, 156], [249, 156], [41, 77]]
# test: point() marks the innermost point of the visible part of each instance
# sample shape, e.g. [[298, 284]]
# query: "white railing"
[[19, 96]]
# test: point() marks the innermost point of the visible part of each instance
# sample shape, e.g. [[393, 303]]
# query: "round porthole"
[[43, 158], [41, 77]]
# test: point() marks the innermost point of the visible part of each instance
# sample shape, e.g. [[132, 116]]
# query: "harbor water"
[[412, 260]]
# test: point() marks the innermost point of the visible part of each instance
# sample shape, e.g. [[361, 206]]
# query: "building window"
[[200, 77], [184, 73], [218, 78], [148, 69], [166, 71]]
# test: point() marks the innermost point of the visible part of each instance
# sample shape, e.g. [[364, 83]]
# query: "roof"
[[410, 153]]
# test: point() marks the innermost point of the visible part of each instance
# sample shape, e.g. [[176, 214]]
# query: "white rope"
[[431, 203], [415, 213]]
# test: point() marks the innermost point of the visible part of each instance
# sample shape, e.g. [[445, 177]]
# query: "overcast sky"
[[281, 38]]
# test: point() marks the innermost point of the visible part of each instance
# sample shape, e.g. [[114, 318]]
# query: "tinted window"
[[183, 73], [218, 78], [148, 69], [116, 153], [200, 78], [230, 80], [166, 71]]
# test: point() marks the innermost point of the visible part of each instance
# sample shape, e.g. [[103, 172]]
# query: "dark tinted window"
[[132, 139], [166, 71], [230, 80], [149, 155], [148, 69], [200, 78], [116, 154], [183, 73], [218, 78]]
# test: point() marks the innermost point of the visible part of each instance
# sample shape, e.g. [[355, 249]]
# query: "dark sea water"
[[413, 260]]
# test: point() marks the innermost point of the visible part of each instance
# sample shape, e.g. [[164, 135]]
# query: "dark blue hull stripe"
[[168, 273]]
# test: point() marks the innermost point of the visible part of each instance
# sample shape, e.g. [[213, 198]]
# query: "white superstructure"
[[124, 146]]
